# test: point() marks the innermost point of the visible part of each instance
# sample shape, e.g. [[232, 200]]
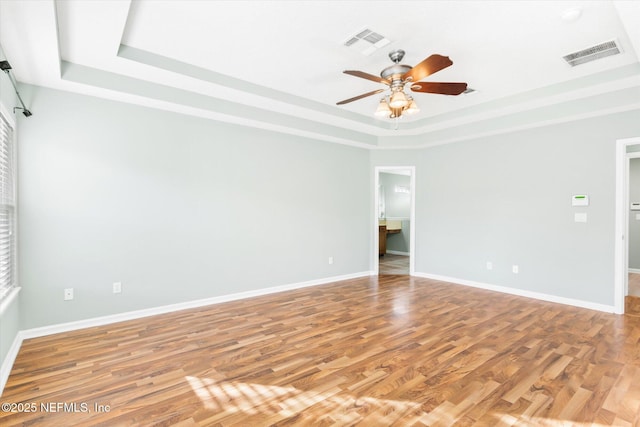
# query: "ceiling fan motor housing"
[[396, 55], [395, 72]]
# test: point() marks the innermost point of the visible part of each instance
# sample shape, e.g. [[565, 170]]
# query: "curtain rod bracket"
[[6, 67]]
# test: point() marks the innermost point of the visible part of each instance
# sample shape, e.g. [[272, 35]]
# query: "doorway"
[[394, 220], [632, 299], [627, 261]]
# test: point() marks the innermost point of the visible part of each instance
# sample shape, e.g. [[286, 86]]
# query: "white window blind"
[[7, 209]]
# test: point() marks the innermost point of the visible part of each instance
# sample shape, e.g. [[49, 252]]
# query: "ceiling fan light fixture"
[[383, 109], [413, 107], [396, 113], [398, 100]]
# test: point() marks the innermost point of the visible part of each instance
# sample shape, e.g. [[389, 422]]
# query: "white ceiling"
[[278, 64]]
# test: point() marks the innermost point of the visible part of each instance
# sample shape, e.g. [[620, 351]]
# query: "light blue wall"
[[9, 312], [400, 242], [176, 208], [179, 208], [507, 199]]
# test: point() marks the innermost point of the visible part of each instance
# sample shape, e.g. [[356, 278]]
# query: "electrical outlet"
[[117, 287], [68, 294], [489, 265], [330, 260], [515, 269]]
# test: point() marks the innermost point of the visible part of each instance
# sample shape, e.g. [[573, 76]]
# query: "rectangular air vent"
[[366, 41], [593, 53]]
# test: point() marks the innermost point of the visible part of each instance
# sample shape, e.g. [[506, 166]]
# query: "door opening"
[[394, 222], [627, 226], [632, 298]]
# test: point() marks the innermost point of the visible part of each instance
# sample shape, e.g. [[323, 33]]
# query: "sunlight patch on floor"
[[227, 398], [253, 399], [526, 421]]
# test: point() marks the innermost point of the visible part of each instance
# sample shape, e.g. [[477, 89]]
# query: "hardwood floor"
[[632, 300], [634, 284], [378, 351], [393, 264]]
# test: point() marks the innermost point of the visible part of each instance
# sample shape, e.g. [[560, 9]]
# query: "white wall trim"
[[8, 299], [521, 292], [9, 360], [501, 131], [634, 270], [7, 115], [131, 315]]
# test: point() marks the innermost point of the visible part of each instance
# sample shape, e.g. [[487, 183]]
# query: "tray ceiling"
[[278, 64]]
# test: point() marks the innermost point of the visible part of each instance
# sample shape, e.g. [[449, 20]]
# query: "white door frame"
[[621, 257], [376, 215]]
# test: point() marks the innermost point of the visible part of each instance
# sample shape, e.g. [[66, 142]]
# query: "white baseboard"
[[120, 317], [9, 360], [634, 270], [521, 292], [397, 252]]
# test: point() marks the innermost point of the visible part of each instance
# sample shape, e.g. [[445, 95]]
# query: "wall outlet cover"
[[580, 217]]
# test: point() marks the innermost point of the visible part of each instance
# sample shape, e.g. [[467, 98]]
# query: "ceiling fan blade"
[[441, 88], [355, 98], [367, 76], [431, 65]]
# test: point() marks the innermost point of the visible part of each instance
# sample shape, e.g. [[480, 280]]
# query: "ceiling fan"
[[398, 75]]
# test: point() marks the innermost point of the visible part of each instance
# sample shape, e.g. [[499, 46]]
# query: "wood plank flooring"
[[632, 300], [379, 351], [393, 264], [634, 284]]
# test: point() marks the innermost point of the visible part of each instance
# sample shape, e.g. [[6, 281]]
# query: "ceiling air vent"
[[366, 41], [592, 53]]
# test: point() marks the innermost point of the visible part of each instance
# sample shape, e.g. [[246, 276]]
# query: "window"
[[7, 209]]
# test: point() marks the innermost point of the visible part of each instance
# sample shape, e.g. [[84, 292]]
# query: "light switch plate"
[[580, 217]]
